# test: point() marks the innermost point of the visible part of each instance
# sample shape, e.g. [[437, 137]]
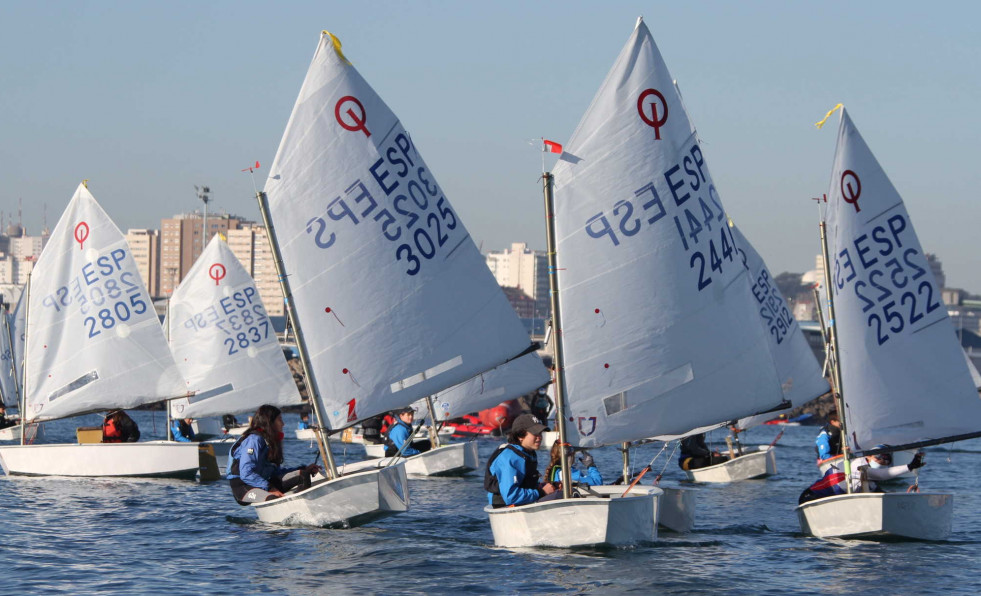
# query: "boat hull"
[[608, 519], [306, 434], [917, 516], [677, 510], [153, 459], [455, 459], [758, 464], [11, 433], [347, 501]]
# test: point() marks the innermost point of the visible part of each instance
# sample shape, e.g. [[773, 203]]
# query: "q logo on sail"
[[850, 193], [216, 272], [653, 121], [358, 118], [81, 234]]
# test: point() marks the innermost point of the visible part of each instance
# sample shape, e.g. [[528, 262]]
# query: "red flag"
[[552, 146], [250, 168]]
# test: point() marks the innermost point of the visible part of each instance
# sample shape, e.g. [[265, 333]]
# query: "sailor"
[[511, 475], [828, 442], [118, 427], [400, 432], [254, 471], [182, 430], [696, 454], [4, 421], [864, 472], [304, 421], [590, 476], [371, 430]]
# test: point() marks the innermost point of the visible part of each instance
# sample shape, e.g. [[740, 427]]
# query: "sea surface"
[[65, 536]]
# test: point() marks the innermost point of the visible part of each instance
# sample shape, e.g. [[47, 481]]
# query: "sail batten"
[[396, 299], [658, 328]]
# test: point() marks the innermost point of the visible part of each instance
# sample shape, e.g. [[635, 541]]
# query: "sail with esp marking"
[[800, 375], [659, 326], [223, 341], [94, 340], [904, 378], [395, 300]]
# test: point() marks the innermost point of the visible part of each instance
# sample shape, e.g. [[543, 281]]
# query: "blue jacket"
[[254, 467], [399, 434], [510, 470], [828, 442], [175, 429], [591, 477], [301, 425]]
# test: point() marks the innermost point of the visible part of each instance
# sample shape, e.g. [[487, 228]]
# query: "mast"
[[170, 435], [625, 448], [23, 383], [557, 355], [833, 328], [323, 443], [433, 433]]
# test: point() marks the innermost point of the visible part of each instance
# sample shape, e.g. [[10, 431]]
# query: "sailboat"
[[224, 343], [9, 391], [396, 302], [651, 305], [507, 381], [800, 376], [894, 344], [93, 343]]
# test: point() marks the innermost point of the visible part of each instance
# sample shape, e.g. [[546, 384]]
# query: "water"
[[63, 536]]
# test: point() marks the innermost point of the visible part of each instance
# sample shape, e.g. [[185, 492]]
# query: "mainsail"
[[8, 367], [488, 389], [394, 297], [904, 380], [658, 328], [223, 341], [94, 341], [799, 373]]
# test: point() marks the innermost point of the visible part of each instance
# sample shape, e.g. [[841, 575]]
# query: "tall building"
[[182, 241], [251, 245], [145, 248], [525, 269], [938, 270], [18, 253]]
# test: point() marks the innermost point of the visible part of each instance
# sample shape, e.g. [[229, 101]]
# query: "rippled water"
[[154, 536]]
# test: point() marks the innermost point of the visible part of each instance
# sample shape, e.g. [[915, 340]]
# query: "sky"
[[146, 100]]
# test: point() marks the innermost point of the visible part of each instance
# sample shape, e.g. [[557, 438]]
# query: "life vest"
[[110, 432], [490, 480]]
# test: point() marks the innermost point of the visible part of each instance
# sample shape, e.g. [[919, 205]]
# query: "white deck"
[[753, 464], [454, 459]]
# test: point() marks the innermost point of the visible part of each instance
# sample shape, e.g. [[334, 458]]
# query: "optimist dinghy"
[[656, 333], [94, 344], [396, 302], [893, 343]]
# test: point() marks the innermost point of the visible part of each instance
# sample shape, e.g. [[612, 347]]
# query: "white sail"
[[904, 379], [94, 341], [799, 372], [8, 368], [507, 381], [395, 299], [658, 323], [18, 321], [223, 341], [975, 375]]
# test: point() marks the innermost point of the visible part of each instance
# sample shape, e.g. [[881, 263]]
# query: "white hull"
[[454, 459], [306, 434], [549, 438], [677, 510], [11, 433], [754, 464], [237, 431], [353, 435], [899, 458], [919, 516], [589, 521], [344, 502], [150, 459], [374, 449]]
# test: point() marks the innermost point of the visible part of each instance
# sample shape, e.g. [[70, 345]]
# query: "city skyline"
[[148, 101]]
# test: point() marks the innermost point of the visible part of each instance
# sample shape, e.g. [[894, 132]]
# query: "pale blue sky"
[[148, 99]]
